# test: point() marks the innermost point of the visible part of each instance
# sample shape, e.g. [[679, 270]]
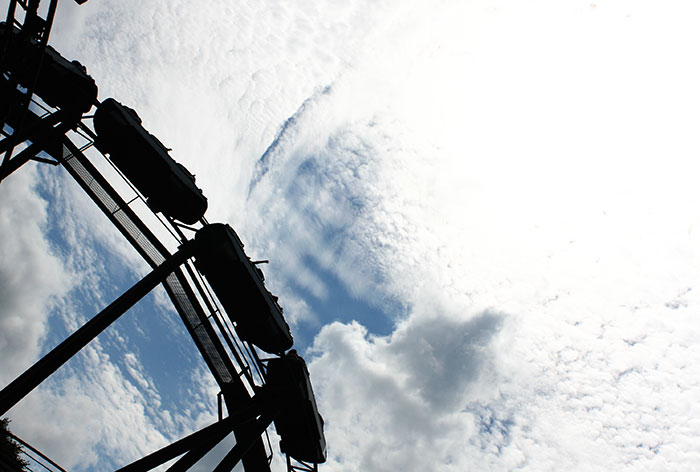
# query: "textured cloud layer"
[[32, 277], [512, 187], [538, 179]]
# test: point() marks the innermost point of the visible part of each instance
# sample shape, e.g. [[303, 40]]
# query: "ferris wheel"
[[217, 290]]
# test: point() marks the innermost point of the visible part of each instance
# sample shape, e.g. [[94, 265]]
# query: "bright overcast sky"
[[482, 219]]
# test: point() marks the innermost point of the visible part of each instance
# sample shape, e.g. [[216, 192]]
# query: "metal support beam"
[[253, 418], [42, 133], [40, 29], [244, 443], [34, 130], [208, 435], [26, 155], [11, 12], [192, 457], [37, 452], [299, 466], [178, 289], [48, 364]]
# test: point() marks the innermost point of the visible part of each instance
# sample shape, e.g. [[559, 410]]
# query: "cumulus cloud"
[[501, 392], [411, 390]]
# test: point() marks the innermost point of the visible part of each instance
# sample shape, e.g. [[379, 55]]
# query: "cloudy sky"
[[482, 219]]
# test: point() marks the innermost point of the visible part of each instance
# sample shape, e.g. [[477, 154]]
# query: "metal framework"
[[234, 364], [34, 456], [38, 29]]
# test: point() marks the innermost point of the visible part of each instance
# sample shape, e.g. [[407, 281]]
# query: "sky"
[[481, 219]]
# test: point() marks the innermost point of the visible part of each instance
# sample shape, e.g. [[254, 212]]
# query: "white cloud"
[[249, 67], [407, 393], [92, 413], [537, 393], [33, 278]]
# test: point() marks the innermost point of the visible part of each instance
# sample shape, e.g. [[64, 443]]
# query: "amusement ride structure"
[[216, 289]]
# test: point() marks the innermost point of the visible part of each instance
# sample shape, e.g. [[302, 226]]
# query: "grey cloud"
[[445, 357], [411, 390]]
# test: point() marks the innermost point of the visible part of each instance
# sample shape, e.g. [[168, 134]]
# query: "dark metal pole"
[[37, 452], [244, 443], [17, 161], [219, 400], [48, 364], [193, 456], [211, 434], [36, 130], [11, 13], [49, 21], [262, 406]]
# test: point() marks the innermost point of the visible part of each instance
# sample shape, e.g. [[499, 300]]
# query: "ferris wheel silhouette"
[[218, 292]]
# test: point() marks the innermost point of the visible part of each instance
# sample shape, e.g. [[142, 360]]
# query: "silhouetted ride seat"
[[239, 285], [168, 186], [60, 83], [299, 423]]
